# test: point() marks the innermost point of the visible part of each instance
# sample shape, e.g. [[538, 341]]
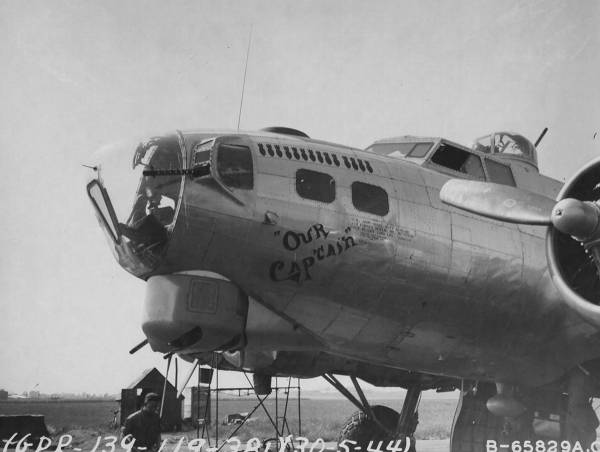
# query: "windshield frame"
[[110, 209]]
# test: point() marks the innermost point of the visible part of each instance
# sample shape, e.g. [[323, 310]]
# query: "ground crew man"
[[144, 425]]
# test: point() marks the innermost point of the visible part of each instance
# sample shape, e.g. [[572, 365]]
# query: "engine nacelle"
[[195, 313], [575, 264]]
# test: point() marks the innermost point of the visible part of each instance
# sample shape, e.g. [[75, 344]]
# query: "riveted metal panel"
[[411, 192], [271, 186], [346, 325], [314, 312], [432, 221], [236, 228], [433, 179], [274, 165], [379, 331], [536, 231], [434, 198], [407, 215], [406, 172], [299, 214], [529, 180], [501, 237], [427, 251]]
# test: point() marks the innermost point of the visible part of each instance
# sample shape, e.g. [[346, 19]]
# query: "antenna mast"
[[244, 83]]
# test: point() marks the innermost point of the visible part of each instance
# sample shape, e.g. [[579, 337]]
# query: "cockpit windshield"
[[507, 144], [147, 184], [136, 191], [402, 149]]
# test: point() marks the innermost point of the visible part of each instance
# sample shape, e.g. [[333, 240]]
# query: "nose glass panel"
[[143, 193]]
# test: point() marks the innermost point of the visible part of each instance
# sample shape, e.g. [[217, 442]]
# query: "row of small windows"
[[292, 152], [234, 166], [321, 187]]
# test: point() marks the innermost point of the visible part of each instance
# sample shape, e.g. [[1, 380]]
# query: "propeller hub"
[[576, 218]]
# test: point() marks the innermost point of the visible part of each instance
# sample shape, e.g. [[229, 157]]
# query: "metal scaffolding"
[[279, 421]]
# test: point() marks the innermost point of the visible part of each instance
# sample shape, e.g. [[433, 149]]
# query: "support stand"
[[279, 422]]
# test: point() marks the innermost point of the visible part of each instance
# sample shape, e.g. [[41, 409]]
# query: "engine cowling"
[[573, 259]]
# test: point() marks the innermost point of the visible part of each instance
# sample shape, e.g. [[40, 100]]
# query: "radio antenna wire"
[[244, 82]]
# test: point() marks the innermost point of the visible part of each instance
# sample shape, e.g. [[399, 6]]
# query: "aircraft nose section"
[[136, 191]]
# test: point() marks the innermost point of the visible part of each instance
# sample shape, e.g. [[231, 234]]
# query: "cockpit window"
[[505, 143], [459, 160], [420, 150], [201, 152], [401, 149], [234, 165], [509, 145], [483, 144], [499, 173]]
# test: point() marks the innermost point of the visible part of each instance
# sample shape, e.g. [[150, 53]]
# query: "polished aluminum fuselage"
[[425, 288]]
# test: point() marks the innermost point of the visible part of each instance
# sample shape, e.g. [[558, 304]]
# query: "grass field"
[[63, 414], [320, 418]]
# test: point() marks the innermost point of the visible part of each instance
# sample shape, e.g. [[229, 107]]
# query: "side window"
[[499, 173], [314, 185], [201, 158], [459, 160], [201, 152], [370, 198], [234, 165], [420, 150]]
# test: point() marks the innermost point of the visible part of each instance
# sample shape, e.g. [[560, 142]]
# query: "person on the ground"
[[144, 425]]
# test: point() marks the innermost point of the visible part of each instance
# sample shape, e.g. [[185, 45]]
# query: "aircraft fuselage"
[[414, 284]]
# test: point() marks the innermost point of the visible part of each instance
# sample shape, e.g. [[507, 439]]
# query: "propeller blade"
[[500, 202]]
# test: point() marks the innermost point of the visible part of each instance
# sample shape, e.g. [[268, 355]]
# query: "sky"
[[77, 75]]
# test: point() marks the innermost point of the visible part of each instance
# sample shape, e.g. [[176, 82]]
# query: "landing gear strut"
[[371, 424], [409, 416]]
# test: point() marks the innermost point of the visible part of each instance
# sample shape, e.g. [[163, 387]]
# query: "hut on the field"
[[132, 399]]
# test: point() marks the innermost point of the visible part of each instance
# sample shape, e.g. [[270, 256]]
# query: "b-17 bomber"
[[417, 263]]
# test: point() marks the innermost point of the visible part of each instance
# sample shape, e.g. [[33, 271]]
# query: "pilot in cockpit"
[[507, 144], [151, 201], [512, 144], [154, 204]]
